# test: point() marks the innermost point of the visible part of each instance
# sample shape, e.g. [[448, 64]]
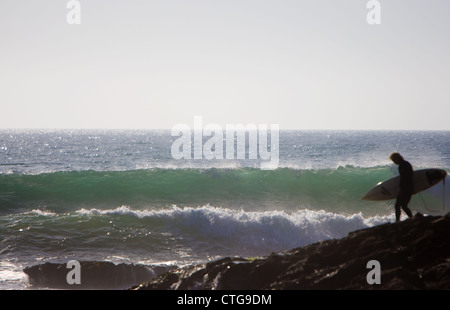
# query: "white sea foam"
[[42, 212], [256, 230], [11, 276]]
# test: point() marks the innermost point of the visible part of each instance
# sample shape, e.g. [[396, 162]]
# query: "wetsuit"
[[406, 189]]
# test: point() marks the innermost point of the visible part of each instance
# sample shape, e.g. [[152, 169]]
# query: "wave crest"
[[256, 230], [282, 188]]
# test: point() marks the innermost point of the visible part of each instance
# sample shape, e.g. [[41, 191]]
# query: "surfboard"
[[423, 179]]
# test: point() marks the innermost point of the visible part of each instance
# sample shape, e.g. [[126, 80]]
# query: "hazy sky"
[[302, 64]]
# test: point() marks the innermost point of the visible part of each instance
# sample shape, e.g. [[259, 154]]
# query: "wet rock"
[[413, 254], [93, 275]]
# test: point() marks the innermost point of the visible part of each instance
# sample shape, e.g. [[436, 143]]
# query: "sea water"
[[120, 196]]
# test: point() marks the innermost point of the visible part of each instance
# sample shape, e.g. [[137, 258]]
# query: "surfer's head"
[[396, 158]]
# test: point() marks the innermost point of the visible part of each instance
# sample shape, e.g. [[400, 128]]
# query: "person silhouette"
[[406, 186]]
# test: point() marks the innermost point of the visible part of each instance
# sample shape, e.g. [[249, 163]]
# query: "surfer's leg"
[[405, 206], [402, 202], [407, 211], [397, 210]]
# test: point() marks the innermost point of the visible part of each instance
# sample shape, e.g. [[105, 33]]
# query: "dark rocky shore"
[[412, 254], [94, 275]]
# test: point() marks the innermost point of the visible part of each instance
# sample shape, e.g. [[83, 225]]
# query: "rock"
[[413, 254], [94, 275]]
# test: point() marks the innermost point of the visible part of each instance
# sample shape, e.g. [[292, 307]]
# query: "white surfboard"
[[422, 179]]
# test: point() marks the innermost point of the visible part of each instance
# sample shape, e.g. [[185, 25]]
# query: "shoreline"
[[412, 254]]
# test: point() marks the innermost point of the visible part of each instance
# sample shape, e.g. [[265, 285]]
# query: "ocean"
[[120, 196]]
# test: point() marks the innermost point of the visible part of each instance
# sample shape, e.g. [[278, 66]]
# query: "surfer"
[[406, 187]]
